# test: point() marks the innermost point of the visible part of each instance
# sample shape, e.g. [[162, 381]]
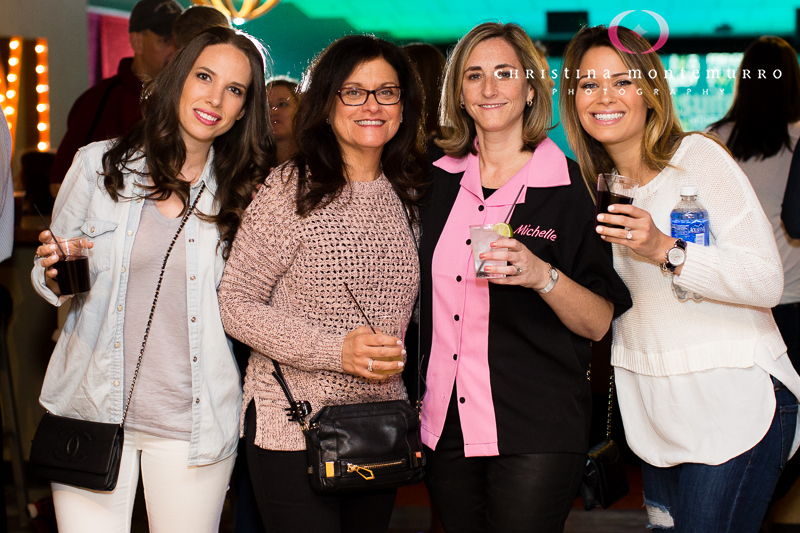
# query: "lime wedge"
[[503, 229]]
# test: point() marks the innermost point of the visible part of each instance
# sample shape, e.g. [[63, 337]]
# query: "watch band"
[[668, 266], [550, 284]]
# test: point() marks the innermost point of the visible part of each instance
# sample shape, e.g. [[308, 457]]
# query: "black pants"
[[288, 505], [501, 494], [787, 317]]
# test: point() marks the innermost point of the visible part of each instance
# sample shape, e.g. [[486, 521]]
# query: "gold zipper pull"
[[360, 471]]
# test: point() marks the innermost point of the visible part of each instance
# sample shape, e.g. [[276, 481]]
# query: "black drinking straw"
[[46, 225], [359, 307], [508, 217]]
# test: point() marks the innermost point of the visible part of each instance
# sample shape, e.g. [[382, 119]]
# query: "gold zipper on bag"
[[370, 475]]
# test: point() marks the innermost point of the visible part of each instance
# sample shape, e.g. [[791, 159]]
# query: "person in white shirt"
[[707, 393], [762, 132], [6, 194]]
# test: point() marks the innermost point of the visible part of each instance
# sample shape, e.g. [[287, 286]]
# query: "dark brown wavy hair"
[[321, 168], [763, 107], [243, 155]]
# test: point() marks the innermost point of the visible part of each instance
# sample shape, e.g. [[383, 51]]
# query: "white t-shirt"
[[768, 178]]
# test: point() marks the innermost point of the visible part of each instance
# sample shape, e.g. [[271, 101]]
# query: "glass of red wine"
[[614, 189], [73, 265]]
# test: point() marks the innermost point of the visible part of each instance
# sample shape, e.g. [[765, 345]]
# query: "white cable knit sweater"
[[740, 275]]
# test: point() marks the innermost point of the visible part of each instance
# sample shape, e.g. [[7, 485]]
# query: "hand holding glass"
[[481, 238], [613, 189]]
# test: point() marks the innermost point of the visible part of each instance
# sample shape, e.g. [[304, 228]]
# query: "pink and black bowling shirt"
[[519, 374]]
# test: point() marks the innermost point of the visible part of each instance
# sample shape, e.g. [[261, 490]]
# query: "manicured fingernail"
[[611, 207], [598, 229], [400, 364], [399, 342], [603, 237], [403, 351], [599, 217]]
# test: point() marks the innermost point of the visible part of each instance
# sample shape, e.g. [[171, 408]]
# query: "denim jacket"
[[84, 378]]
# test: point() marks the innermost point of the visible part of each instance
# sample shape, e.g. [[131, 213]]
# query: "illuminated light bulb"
[[10, 125], [41, 108], [42, 126], [2, 97], [13, 61], [39, 48], [9, 110], [42, 146], [238, 21], [11, 93], [12, 78], [41, 88], [39, 69], [13, 44]]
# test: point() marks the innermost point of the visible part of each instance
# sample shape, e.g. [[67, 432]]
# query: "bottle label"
[[695, 231]]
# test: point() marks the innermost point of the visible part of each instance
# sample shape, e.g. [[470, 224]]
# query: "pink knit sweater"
[[282, 294]]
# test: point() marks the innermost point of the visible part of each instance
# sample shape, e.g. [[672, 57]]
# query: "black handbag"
[[85, 453], [359, 446], [605, 481], [363, 446]]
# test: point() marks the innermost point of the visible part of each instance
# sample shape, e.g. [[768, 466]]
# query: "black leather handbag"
[[85, 453], [359, 446], [605, 481]]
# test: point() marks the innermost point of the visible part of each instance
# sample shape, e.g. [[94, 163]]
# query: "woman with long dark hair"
[[340, 212], [204, 141], [707, 393]]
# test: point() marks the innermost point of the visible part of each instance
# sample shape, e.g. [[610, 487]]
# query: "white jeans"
[[179, 498]]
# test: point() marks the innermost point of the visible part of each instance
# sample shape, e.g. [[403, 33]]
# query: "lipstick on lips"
[[206, 117]]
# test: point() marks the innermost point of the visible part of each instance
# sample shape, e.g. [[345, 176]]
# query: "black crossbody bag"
[[605, 481], [364, 446], [85, 453]]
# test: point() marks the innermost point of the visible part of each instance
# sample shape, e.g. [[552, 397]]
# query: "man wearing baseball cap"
[[111, 108]]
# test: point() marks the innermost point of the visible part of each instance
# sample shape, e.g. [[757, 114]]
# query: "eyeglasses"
[[356, 96]]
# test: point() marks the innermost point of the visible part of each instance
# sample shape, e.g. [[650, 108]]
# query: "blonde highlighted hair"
[[458, 128], [662, 131]]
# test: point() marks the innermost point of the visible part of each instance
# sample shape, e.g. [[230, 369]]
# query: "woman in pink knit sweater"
[[340, 212]]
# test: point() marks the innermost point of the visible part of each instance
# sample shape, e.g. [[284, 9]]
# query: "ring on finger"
[[369, 366], [629, 236], [519, 270]]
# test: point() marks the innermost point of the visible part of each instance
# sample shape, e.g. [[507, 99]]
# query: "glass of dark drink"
[[614, 189], [73, 265]]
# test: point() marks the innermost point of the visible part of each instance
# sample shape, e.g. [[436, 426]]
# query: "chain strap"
[[610, 403], [155, 300]]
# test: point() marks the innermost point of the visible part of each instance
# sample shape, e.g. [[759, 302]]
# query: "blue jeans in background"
[[730, 497]]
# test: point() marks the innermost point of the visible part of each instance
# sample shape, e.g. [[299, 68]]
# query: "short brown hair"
[[458, 128], [195, 20]]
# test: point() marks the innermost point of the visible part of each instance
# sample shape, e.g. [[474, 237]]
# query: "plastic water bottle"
[[690, 219], [689, 222]]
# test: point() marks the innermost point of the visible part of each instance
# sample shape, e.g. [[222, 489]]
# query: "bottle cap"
[[689, 190]]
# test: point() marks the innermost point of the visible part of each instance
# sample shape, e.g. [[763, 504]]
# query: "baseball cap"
[[154, 15]]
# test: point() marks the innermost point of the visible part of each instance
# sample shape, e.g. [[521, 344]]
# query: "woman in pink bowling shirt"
[[507, 408]]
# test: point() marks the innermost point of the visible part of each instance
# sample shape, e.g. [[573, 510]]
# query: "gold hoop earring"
[[462, 105]]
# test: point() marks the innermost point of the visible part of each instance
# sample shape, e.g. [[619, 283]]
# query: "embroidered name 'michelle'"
[[527, 231]]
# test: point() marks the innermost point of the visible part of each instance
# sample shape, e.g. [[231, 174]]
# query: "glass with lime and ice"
[[481, 237]]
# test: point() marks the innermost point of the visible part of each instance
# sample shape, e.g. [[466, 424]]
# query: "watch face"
[[676, 257]]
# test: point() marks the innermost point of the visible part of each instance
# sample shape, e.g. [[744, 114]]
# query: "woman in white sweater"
[[706, 390]]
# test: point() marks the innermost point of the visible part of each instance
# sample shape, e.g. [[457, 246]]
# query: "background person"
[[334, 214], [507, 410], [204, 134], [700, 383], [761, 130], [194, 20], [284, 100], [111, 108]]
